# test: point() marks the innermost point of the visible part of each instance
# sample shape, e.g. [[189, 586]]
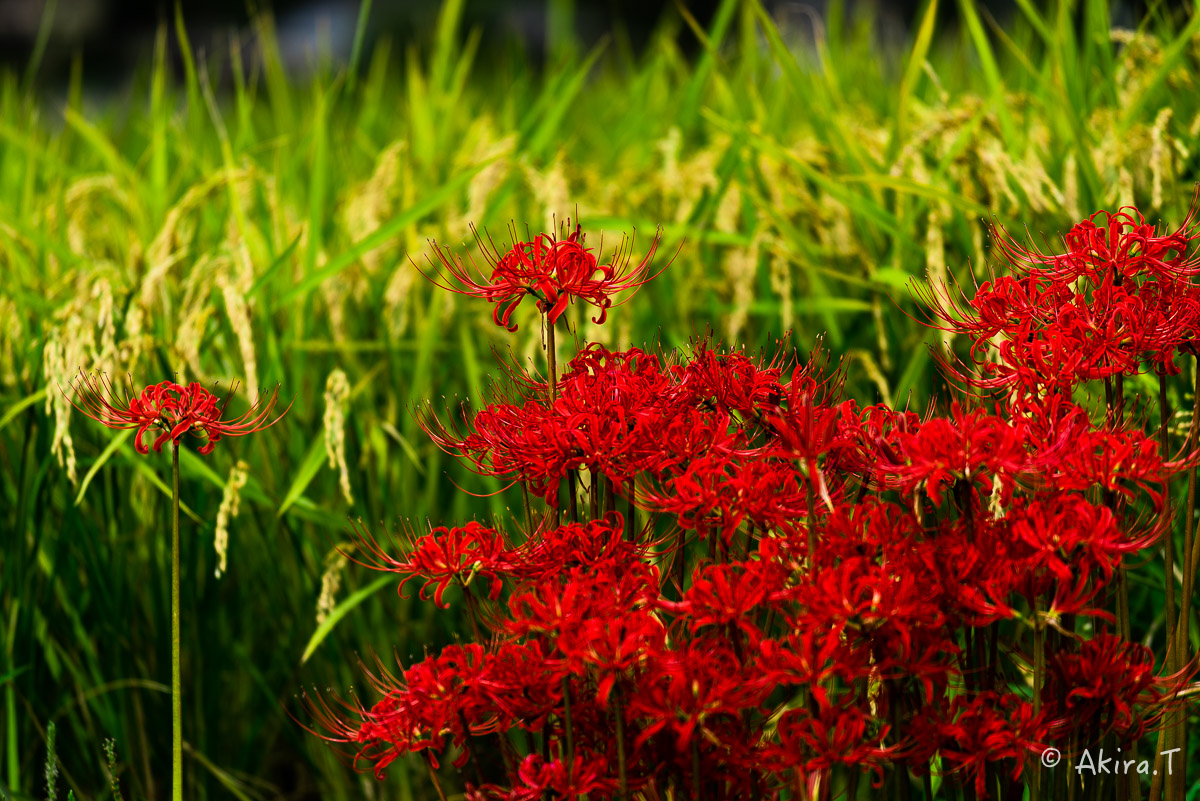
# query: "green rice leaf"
[[308, 471], [340, 611]]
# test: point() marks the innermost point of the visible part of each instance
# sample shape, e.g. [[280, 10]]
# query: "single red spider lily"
[[553, 270], [1109, 685], [442, 557], [170, 408], [539, 778], [1112, 246], [991, 729]]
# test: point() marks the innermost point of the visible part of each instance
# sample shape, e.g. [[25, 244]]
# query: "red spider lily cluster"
[[171, 409], [1121, 296], [739, 584]]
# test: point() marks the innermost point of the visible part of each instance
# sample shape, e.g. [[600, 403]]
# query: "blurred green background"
[[220, 216]]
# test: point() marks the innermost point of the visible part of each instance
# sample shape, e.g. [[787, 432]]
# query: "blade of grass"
[[139, 463], [12, 674], [819, 289], [693, 94], [1062, 112], [917, 363], [470, 360], [45, 26], [101, 144], [12, 755], [1098, 50], [546, 131], [445, 44], [360, 35], [266, 275], [159, 117], [227, 781], [405, 445], [1037, 21], [340, 611], [278, 89], [113, 446], [991, 71], [308, 471], [191, 78], [820, 94], [862, 204], [320, 171], [235, 201], [923, 190], [912, 75], [21, 406]]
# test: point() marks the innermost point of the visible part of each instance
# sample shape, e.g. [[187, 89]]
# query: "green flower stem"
[[1039, 672], [1164, 443], [437, 785], [623, 782], [552, 380], [566, 687], [176, 694]]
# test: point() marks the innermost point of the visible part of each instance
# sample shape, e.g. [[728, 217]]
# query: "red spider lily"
[[1108, 685], [463, 690], [1119, 296], [1112, 247], [720, 493], [728, 596], [552, 270], [525, 442], [608, 646], [686, 692], [836, 735], [870, 603], [442, 557], [538, 777], [1066, 534], [1117, 461], [598, 542], [562, 607], [974, 447], [171, 408], [972, 564], [977, 731], [450, 695], [809, 658], [616, 414], [733, 381]]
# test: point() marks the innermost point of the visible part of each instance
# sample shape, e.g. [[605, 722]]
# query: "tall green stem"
[[437, 785], [552, 381], [1114, 394], [631, 515], [176, 693], [1166, 729], [528, 510], [566, 687], [1177, 781], [622, 781], [1039, 671], [1164, 416], [811, 527], [551, 360]]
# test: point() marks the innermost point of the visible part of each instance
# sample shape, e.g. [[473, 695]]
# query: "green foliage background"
[[259, 229]]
